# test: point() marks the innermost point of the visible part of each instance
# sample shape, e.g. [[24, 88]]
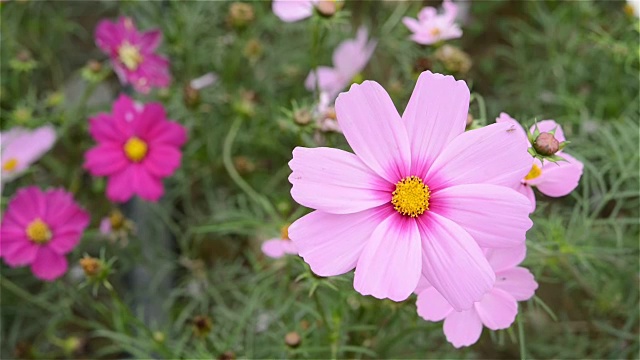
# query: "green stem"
[[9, 285], [521, 340], [235, 176]]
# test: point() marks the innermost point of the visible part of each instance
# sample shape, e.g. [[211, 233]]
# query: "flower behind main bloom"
[[419, 196], [137, 148], [431, 27]]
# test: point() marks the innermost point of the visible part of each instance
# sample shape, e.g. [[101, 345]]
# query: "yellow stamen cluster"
[[130, 56], [435, 32], [411, 197], [136, 149], [38, 232], [534, 173], [284, 232], [10, 164]]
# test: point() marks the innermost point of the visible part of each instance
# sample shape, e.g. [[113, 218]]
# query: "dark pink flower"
[[137, 147], [39, 229], [133, 54]]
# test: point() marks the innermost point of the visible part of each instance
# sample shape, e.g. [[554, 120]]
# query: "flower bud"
[[91, 266], [327, 8], [94, 66], [201, 325], [227, 355], [453, 59], [302, 117], [244, 165], [190, 96], [292, 339], [240, 14], [545, 144]]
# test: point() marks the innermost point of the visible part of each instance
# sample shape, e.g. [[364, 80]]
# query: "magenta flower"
[[133, 54], [419, 195], [293, 10], [349, 59], [278, 247], [39, 229], [22, 147], [496, 310], [431, 27], [137, 148], [552, 179]]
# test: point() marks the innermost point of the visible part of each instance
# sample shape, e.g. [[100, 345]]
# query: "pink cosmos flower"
[[137, 147], [419, 196], [39, 229], [349, 59], [552, 179], [496, 310], [293, 10], [133, 54], [431, 27], [22, 147], [325, 114], [278, 247]]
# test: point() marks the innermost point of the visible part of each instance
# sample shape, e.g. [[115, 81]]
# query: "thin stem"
[[521, 340], [9, 285]]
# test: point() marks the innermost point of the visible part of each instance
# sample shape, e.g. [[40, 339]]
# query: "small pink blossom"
[[137, 147], [496, 310], [552, 179], [278, 247], [325, 114], [431, 27], [349, 59], [133, 54], [39, 229], [22, 147], [293, 10], [418, 198]]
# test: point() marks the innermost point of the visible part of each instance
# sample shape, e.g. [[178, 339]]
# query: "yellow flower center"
[[435, 32], [10, 164], [284, 232], [411, 197], [629, 10], [130, 56], [136, 149], [117, 220], [38, 232], [534, 173]]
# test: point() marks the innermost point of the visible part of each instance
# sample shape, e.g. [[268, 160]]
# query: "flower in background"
[[133, 54], [39, 229], [431, 27], [554, 179], [137, 147], [420, 195], [117, 227], [325, 114], [633, 7], [281, 246], [296, 10], [22, 147], [496, 310], [349, 59]]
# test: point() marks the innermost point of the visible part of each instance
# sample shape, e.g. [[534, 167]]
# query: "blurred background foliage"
[[192, 282]]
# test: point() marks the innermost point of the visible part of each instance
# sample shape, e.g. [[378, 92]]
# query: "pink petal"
[[19, 253], [102, 128], [436, 114], [168, 133], [559, 179], [432, 306], [107, 36], [63, 214], [277, 248], [412, 24], [519, 282], [374, 130], [162, 160], [63, 243], [152, 114], [495, 216], [527, 191], [493, 154], [331, 244], [335, 181], [150, 40], [49, 265], [506, 258], [462, 328], [452, 262], [497, 309], [423, 284], [549, 125], [514, 127], [292, 10], [120, 186], [146, 185], [105, 226], [390, 264], [105, 159], [352, 55], [328, 80], [28, 204]]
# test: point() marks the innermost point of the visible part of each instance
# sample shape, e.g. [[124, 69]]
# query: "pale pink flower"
[[278, 247], [496, 310], [431, 27], [133, 54], [22, 147], [137, 147], [349, 59], [39, 229], [293, 10], [419, 196], [552, 179], [325, 114]]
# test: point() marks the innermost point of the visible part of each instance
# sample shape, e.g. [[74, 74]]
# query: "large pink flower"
[[496, 310], [552, 179], [349, 59], [21, 147], [418, 196], [39, 229], [431, 27], [137, 148], [133, 54]]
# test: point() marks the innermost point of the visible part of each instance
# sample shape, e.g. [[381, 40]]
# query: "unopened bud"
[[202, 325], [302, 117], [240, 14], [292, 339], [90, 265], [327, 7], [94, 66], [244, 165], [546, 144], [190, 96], [227, 355]]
